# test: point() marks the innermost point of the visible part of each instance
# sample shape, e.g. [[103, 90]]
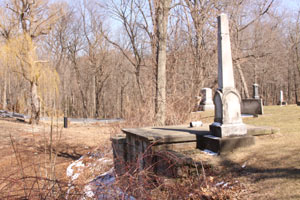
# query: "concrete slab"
[[183, 137], [261, 130], [169, 134]]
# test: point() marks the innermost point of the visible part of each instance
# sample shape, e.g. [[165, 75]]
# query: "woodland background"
[[99, 58]]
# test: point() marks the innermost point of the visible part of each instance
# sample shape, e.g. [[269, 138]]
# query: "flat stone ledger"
[[155, 148]]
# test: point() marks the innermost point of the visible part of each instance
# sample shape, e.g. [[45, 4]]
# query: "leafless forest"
[[142, 60]]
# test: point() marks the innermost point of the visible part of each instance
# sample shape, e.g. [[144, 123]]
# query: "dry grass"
[[268, 170], [271, 168]]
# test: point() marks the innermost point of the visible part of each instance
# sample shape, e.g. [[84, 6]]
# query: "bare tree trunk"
[[289, 87], [296, 86], [244, 83], [162, 12], [94, 98], [4, 102], [35, 104], [82, 93]]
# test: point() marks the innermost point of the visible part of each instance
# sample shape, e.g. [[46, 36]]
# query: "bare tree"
[[35, 19], [97, 51], [160, 24], [130, 14]]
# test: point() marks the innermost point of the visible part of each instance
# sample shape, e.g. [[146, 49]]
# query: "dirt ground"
[[268, 170], [25, 153]]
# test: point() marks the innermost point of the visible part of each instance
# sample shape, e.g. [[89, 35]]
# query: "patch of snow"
[[104, 188], [88, 191], [216, 124], [77, 163], [107, 178], [70, 170], [75, 176], [211, 136], [104, 160], [225, 185], [209, 152], [244, 165], [220, 183]]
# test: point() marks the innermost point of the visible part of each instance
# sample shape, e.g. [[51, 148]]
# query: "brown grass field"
[[268, 170]]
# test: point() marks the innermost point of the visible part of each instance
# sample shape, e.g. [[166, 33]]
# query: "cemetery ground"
[[268, 170]]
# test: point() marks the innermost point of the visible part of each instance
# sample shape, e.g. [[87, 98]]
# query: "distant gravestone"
[[281, 99], [206, 100], [252, 106], [228, 120], [255, 91]]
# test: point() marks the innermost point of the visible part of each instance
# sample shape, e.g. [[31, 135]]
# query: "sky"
[[290, 4]]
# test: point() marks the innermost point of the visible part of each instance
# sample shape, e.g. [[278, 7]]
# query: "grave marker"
[[255, 91], [228, 120], [206, 102]]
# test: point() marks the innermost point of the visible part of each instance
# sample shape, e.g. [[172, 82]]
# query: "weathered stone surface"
[[255, 91], [225, 144], [225, 130], [153, 148], [228, 120], [225, 70], [261, 130], [206, 101], [252, 106], [183, 146], [167, 134], [172, 164], [281, 99], [119, 152]]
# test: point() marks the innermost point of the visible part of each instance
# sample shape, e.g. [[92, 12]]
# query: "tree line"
[[142, 60]]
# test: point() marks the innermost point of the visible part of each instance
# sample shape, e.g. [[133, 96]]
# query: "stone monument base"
[[224, 130], [223, 145], [207, 107]]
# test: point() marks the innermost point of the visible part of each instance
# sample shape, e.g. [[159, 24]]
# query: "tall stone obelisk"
[[228, 120]]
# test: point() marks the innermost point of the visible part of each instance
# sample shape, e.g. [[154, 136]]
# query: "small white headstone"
[[206, 101], [281, 97]]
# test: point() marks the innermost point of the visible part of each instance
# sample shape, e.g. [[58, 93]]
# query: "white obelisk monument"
[[228, 120]]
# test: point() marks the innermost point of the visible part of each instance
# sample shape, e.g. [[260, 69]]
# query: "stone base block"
[[207, 107], [222, 145], [119, 152], [225, 130], [283, 103]]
